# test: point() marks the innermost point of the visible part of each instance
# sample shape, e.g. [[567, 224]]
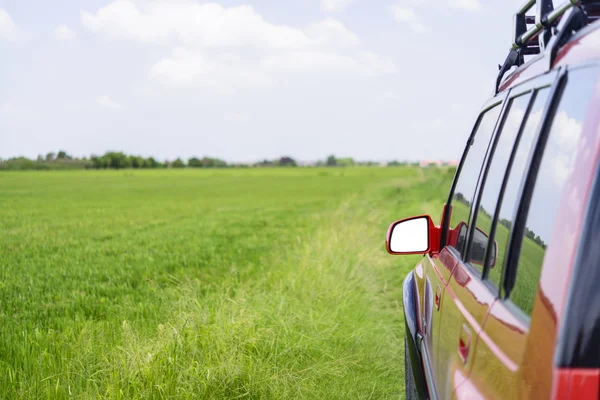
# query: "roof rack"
[[552, 27]]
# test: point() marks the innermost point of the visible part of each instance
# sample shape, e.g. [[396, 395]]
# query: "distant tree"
[[117, 160], [99, 162], [195, 162], [265, 163], [208, 162], [396, 163], [50, 156], [150, 162], [40, 158], [178, 164], [345, 162], [530, 234], [506, 223], [136, 162], [331, 161], [484, 211], [287, 162], [461, 198], [62, 155]]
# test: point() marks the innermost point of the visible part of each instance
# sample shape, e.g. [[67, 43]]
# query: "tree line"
[[118, 160], [109, 160], [503, 221], [61, 160]]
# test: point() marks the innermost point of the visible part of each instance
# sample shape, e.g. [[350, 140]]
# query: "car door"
[[434, 283], [466, 300], [523, 111], [524, 186], [438, 270]]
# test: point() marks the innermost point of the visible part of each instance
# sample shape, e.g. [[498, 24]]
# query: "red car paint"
[[458, 316]]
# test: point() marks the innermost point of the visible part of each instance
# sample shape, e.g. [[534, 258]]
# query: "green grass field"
[[222, 284]]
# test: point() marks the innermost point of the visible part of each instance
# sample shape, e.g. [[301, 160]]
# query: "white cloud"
[[567, 130], [191, 23], [406, 11], [565, 135], [63, 32], [364, 63], [408, 16], [106, 102], [331, 32], [223, 72], [471, 5], [228, 47], [8, 29], [334, 5]]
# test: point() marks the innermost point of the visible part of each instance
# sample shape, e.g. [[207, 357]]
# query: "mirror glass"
[[411, 236], [478, 246], [480, 242]]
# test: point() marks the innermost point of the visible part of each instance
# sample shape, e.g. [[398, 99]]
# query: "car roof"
[[582, 48]]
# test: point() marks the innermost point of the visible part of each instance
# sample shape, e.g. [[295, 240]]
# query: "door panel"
[[510, 362], [465, 306], [462, 304], [437, 275], [500, 349]]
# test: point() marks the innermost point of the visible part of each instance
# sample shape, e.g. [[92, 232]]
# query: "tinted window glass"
[[467, 181], [495, 177], [556, 165], [516, 174]]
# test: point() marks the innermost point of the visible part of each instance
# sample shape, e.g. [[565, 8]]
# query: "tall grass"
[[228, 284]]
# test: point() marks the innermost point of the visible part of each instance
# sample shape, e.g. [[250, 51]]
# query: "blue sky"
[[247, 80]]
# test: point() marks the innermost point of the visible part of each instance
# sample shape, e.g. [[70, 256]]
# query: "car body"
[[518, 316]]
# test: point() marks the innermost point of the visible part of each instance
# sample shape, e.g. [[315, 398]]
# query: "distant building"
[[306, 163], [437, 163], [430, 163]]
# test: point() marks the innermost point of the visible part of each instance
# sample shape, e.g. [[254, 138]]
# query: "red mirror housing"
[[409, 228]]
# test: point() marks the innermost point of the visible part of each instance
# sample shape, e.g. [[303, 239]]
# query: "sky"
[[246, 80]]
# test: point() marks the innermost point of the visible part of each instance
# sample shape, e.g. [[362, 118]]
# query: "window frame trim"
[[517, 231], [533, 93], [532, 86], [582, 270], [551, 80], [498, 100], [488, 159]]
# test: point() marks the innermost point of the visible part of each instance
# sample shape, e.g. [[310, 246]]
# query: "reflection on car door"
[[492, 179], [436, 277], [457, 330], [508, 343]]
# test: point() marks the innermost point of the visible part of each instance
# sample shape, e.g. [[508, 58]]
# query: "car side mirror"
[[479, 246], [415, 235]]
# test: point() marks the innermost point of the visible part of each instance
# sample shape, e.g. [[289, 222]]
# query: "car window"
[[467, 180], [555, 167], [490, 197], [495, 175], [515, 176]]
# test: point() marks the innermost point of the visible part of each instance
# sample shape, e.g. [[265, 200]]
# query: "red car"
[[506, 300]]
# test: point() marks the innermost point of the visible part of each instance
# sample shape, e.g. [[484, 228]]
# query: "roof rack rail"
[[551, 29]]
